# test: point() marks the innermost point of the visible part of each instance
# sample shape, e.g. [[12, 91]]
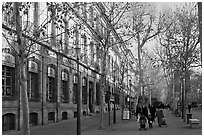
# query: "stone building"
[[52, 78]]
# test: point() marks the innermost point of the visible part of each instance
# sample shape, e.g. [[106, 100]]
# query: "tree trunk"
[[102, 84], [140, 72], [182, 97], [187, 88], [23, 73], [23, 97]]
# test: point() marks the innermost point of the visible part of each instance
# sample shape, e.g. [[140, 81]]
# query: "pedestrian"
[[145, 111], [138, 111], [150, 121], [159, 115], [189, 108], [142, 121], [152, 111]]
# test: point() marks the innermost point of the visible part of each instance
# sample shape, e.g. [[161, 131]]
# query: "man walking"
[[152, 110], [189, 108]]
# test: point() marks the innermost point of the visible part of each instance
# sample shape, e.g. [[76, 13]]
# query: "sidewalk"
[[176, 126], [68, 127], [90, 125]]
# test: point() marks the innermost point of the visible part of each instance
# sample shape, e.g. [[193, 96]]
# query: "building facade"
[[52, 78]]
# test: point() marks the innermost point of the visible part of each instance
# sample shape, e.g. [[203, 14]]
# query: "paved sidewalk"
[[68, 127], [176, 126], [90, 125]]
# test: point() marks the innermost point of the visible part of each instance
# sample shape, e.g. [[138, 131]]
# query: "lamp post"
[[114, 109], [129, 98], [108, 105], [78, 94], [122, 100]]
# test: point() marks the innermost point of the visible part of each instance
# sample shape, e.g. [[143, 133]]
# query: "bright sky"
[[161, 6]]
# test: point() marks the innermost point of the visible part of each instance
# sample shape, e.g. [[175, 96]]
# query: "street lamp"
[[122, 100], [78, 94], [129, 97], [114, 109]]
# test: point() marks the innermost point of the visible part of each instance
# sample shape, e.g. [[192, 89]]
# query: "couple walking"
[[144, 111], [143, 116]]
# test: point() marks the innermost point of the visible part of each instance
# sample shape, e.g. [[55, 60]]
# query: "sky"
[[161, 6]]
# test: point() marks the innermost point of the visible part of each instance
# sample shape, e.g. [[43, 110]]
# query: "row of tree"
[[132, 24], [180, 50]]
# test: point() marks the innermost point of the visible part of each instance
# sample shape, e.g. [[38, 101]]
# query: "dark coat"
[[152, 110], [160, 115], [142, 119], [145, 111], [138, 110], [189, 106]]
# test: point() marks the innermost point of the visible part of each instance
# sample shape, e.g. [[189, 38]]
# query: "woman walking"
[[159, 115]]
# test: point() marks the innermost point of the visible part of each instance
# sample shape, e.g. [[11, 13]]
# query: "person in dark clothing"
[[142, 122], [145, 111], [138, 110], [160, 115], [150, 121], [152, 110], [189, 108]]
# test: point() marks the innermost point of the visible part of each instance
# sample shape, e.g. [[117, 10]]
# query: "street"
[[175, 126]]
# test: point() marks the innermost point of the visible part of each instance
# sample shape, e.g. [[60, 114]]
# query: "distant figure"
[[142, 121], [145, 111], [152, 111], [138, 110], [189, 108], [160, 115], [150, 121], [168, 106]]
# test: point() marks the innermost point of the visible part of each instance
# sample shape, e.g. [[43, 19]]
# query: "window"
[[51, 117], [64, 115], [65, 91], [33, 119], [97, 93], [50, 88], [33, 86], [8, 122], [7, 81], [84, 91], [75, 89]]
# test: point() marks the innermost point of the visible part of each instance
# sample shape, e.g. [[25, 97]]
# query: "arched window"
[[84, 90], [51, 84], [8, 122], [51, 117], [64, 115], [33, 92], [65, 86], [33, 117], [75, 89]]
